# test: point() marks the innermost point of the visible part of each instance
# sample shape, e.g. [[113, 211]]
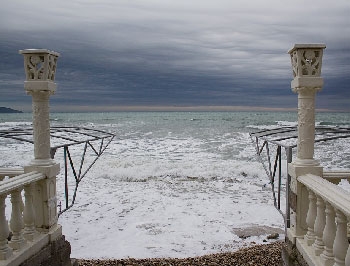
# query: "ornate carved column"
[[306, 60], [40, 68]]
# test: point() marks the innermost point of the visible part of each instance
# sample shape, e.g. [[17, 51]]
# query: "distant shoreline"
[[9, 110]]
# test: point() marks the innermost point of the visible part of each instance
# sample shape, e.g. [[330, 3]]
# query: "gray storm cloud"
[[175, 52]]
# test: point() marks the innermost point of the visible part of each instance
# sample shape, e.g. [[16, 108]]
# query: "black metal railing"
[[93, 140], [286, 138]]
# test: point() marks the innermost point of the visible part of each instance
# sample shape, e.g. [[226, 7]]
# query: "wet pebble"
[[269, 254]]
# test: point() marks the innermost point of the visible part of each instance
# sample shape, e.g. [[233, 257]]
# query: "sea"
[[179, 144], [171, 184]]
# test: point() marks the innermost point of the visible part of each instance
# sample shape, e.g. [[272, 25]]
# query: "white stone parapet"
[[328, 223], [13, 186], [26, 238]]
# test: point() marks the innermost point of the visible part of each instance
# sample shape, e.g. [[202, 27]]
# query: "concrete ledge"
[[51, 245], [56, 253], [291, 256], [307, 253], [27, 251]]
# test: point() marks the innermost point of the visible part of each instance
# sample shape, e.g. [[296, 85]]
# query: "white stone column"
[[320, 224], [5, 250], [40, 68], [341, 244], [306, 126], [28, 213], [310, 219], [41, 127], [306, 60], [327, 257], [16, 223]]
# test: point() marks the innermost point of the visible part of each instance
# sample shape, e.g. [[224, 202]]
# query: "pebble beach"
[[258, 255]]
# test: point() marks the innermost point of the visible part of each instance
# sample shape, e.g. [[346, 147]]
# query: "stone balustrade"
[[326, 240], [24, 240]]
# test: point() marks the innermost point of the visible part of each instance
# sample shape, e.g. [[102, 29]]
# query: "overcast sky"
[[119, 54]]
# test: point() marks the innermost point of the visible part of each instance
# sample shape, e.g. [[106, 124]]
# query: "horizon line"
[[174, 108]]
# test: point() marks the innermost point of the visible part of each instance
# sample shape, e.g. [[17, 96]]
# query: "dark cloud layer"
[[167, 53]]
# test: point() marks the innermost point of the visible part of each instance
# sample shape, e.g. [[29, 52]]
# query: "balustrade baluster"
[[16, 223], [28, 213], [327, 257], [347, 258], [320, 223], [5, 250], [341, 243], [310, 219]]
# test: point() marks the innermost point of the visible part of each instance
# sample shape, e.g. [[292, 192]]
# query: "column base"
[[306, 162], [42, 162], [6, 253]]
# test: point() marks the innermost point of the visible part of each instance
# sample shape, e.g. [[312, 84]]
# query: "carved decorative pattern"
[[41, 125], [52, 202], [306, 124], [294, 61], [41, 67], [52, 67], [306, 62]]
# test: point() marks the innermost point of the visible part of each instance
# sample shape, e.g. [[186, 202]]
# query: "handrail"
[[11, 172], [331, 193], [19, 181], [336, 174]]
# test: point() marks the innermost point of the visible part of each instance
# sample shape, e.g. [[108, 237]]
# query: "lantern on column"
[[40, 69], [306, 62]]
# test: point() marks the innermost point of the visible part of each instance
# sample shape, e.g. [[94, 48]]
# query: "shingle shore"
[[269, 254]]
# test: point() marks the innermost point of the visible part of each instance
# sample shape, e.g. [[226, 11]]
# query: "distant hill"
[[8, 110]]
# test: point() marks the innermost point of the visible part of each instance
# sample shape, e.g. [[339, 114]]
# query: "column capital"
[[306, 83], [39, 86], [306, 91]]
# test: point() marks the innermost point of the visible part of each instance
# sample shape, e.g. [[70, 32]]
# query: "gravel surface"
[[269, 254]]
